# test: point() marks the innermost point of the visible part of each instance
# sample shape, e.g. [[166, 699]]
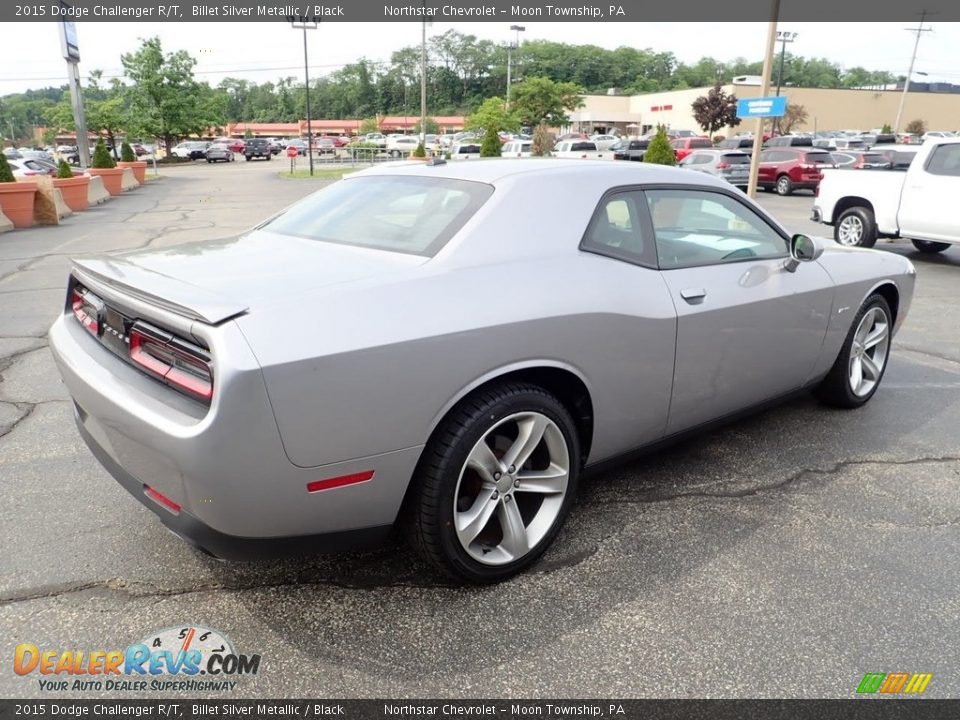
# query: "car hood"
[[215, 280]]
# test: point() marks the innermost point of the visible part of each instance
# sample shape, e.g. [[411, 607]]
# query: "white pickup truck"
[[919, 204]]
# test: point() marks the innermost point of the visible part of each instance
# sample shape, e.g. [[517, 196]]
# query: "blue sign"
[[762, 107]]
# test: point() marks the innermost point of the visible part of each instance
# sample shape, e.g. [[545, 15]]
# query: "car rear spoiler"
[[158, 290]]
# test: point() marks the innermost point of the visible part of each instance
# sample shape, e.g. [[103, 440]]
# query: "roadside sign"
[[762, 107]]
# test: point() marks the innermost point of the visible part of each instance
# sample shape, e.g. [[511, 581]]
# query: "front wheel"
[[928, 246], [495, 484], [858, 370], [856, 227]]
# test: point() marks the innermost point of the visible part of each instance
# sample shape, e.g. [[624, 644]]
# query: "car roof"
[[492, 171]]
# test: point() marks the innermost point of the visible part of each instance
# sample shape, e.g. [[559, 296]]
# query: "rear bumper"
[[225, 466], [232, 547]]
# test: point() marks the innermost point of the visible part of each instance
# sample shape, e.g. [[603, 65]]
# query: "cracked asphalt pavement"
[[782, 556]]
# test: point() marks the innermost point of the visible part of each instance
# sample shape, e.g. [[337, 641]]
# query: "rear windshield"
[[701, 143], [581, 146], [414, 215], [736, 159], [820, 158], [874, 158]]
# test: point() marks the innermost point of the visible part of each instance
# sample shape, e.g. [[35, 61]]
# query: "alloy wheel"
[[850, 231], [511, 488], [868, 354]]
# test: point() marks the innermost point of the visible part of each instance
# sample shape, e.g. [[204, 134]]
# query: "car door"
[[767, 167], [929, 193], [748, 330]]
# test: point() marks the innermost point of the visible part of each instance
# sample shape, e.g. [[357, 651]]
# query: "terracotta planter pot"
[[16, 200], [139, 168], [112, 179], [74, 191]]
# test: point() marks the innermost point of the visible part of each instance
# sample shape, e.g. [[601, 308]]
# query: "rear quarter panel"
[[372, 367]]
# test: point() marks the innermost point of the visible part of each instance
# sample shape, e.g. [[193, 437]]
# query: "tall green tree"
[[493, 113], [540, 98], [166, 100]]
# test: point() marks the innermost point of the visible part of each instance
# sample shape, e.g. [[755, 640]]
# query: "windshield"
[[415, 215]]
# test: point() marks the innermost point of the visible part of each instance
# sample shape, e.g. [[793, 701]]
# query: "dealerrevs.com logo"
[[191, 658]]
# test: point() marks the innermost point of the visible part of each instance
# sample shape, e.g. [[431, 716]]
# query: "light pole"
[[783, 37], [423, 82], [305, 24], [517, 29], [764, 89]]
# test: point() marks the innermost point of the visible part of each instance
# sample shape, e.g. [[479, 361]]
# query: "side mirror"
[[802, 249]]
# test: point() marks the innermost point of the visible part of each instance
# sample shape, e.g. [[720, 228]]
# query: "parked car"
[[743, 144], [342, 140], [730, 165], [899, 156], [788, 169], [300, 145], [237, 145], [789, 141], [24, 167], [193, 149], [860, 160], [401, 146], [916, 204], [630, 150], [196, 384], [683, 146], [517, 148], [378, 139], [324, 146], [257, 148], [581, 149], [604, 142], [465, 150], [219, 152]]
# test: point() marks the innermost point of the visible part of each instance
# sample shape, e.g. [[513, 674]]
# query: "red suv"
[[686, 145], [788, 169]]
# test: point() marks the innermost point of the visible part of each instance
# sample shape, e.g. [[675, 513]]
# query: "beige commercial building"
[[827, 109]]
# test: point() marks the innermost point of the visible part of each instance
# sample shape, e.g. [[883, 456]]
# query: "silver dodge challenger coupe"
[[446, 347]]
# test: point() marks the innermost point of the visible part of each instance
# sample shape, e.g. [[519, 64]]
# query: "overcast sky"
[[30, 52]]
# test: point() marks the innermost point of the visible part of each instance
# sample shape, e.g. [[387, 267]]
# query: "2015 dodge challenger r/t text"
[[426, 345]]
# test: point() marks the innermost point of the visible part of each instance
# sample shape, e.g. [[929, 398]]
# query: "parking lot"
[[782, 556]]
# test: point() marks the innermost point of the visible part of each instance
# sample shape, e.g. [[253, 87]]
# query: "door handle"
[[693, 295]]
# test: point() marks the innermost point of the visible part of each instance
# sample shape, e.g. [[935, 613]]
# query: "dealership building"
[[937, 104]]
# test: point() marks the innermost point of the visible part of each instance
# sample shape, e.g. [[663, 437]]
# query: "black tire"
[[784, 185], [930, 247], [835, 388], [868, 223], [209, 160], [247, 157], [428, 514]]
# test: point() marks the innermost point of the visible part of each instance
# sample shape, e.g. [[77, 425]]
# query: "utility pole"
[[913, 58], [764, 90], [423, 85], [71, 53], [517, 29], [306, 24]]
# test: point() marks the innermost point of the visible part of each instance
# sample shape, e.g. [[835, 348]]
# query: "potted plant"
[[104, 166], [16, 199], [420, 153], [74, 188], [129, 160]]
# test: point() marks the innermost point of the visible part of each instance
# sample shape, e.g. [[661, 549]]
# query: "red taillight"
[[173, 362], [335, 482], [723, 166], [85, 311], [161, 499]]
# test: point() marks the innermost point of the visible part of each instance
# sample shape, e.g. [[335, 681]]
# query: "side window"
[[945, 160], [695, 227], [615, 230]]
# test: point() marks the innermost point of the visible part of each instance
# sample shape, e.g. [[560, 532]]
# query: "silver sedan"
[[415, 346]]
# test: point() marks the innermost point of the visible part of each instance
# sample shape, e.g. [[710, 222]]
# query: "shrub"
[[420, 152], [542, 141], [6, 174], [659, 152], [101, 156], [916, 127], [126, 153], [63, 170], [886, 129], [717, 139], [491, 145]]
